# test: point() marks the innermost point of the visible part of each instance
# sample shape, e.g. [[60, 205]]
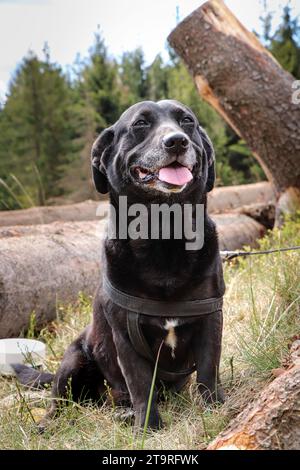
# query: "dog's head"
[[156, 148]]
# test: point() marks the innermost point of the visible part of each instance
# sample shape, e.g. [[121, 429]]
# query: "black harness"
[[137, 306]]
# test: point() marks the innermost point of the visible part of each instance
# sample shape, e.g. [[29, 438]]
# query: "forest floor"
[[261, 318]]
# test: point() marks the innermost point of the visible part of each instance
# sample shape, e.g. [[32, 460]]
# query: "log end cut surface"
[[271, 422]]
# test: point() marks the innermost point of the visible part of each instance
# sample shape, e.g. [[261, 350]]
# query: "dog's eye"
[[140, 123], [187, 120]]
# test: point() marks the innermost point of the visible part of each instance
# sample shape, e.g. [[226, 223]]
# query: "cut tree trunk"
[[272, 422], [55, 228], [45, 265], [219, 200], [246, 85], [228, 198], [237, 230], [39, 271], [47, 214], [262, 213]]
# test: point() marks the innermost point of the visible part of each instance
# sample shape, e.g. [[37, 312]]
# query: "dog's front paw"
[[154, 420], [124, 414], [212, 396]]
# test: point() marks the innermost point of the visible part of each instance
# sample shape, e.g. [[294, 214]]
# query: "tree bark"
[[247, 86], [237, 230], [272, 422], [86, 210], [219, 200], [40, 270], [261, 212], [228, 198], [43, 265]]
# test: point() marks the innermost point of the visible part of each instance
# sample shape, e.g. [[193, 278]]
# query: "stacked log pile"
[[220, 200], [43, 265]]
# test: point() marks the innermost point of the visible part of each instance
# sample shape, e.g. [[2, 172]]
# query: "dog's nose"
[[175, 142]]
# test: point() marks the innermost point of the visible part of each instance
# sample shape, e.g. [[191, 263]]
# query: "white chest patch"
[[171, 338]]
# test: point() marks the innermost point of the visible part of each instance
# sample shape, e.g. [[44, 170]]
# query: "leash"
[[229, 255]]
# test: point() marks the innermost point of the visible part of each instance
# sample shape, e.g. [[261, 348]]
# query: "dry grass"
[[261, 317]]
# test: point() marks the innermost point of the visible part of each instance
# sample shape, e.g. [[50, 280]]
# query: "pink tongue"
[[177, 175]]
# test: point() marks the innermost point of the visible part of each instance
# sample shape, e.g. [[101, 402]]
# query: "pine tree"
[[97, 93], [36, 129], [100, 86], [133, 79], [285, 43], [157, 79]]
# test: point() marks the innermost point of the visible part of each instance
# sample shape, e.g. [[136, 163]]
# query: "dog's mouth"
[[175, 175]]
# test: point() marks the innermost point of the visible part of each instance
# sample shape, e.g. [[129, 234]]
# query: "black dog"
[[155, 153]]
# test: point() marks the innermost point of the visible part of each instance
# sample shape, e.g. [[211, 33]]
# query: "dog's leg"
[[138, 373], [78, 378], [207, 350], [105, 354]]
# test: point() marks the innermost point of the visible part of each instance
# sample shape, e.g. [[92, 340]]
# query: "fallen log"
[[219, 200], [39, 271], [272, 422], [44, 265], [55, 228], [261, 212], [237, 230], [47, 214], [227, 198], [247, 86]]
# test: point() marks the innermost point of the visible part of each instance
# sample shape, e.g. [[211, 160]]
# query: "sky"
[[68, 26]]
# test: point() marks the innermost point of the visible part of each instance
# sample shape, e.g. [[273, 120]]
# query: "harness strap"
[[142, 347], [162, 308], [136, 306]]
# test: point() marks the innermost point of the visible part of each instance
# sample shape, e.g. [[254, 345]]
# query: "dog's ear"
[[100, 148], [210, 159]]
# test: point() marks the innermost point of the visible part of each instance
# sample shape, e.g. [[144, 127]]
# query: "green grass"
[[261, 319], [16, 195]]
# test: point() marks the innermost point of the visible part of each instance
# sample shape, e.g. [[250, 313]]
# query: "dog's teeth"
[[142, 174], [149, 177]]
